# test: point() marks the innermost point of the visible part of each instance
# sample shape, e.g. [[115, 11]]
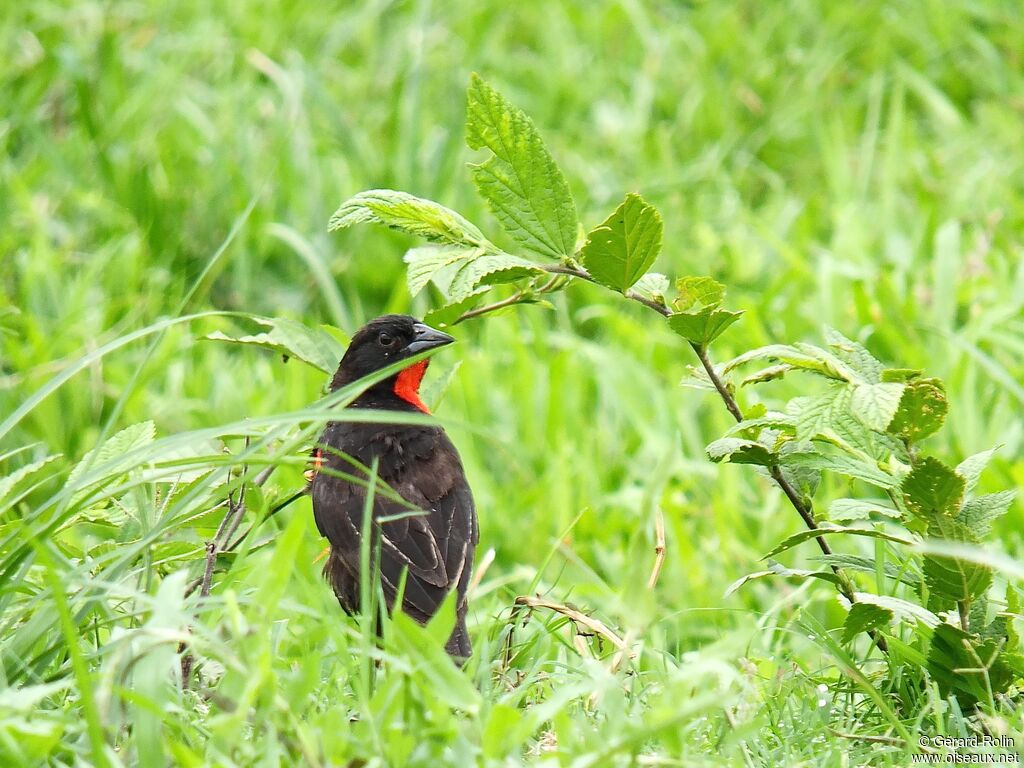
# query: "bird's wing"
[[435, 542]]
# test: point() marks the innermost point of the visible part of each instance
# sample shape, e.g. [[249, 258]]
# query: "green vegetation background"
[[857, 165]]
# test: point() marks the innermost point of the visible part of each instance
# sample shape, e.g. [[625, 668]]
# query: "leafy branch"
[[802, 507], [864, 422]]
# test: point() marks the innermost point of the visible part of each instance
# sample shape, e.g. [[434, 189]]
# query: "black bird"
[[418, 462]]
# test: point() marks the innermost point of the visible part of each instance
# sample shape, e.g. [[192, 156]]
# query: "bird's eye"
[[386, 340]]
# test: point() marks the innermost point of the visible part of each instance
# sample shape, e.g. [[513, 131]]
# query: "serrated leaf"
[[428, 260], [116, 450], [966, 666], [921, 411], [867, 565], [697, 378], [864, 617], [903, 609], [751, 427], [950, 579], [776, 569], [854, 355], [625, 245], [815, 414], [482, 271], [407, 213], [313, 346], [875, 404], [448, 313], [739, 451], [844, 510], [704, 326], [900, 375], [970, 469], [833, 530], [851, 466], [698, 291], [853, 436], [781, 352], [770, 373], [520, 183], [979, 513], [653, 285], [932, 490], [8, 483]]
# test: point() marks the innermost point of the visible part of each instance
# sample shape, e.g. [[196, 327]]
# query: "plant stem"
[[515, 298], [799, 504], [964, 609]]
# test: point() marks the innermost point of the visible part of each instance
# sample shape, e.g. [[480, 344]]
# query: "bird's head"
[[384, 341]]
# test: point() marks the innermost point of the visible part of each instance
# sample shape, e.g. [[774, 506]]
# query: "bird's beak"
[[427, 338]]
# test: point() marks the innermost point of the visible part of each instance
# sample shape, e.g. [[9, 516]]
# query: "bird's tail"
[[458, 646]]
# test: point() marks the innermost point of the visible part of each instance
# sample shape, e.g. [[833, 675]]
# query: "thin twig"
[[515, 298], [273, 511], [799, 504], [228, 525], [577, 617]]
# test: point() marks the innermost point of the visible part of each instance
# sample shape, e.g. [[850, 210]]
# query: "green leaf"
[[900, 375], [697, 378], [735, 450], [804, 357], [313, 346], [851, 435], [833, 530], [704, 326], [770, 373], [698, 291], [965, 666], [449, 313], [653, 285], [867, 565], [623, 247], [815, 414], [950, 579], [116, 451], [970, 469], [520, 183], [855, 355], [932, 490], [487, 270], [903, 609], [876, 404], [922, 410], [851, 466], [754, 425], [864, 617], [427, 261], [775, 569], [1014, 611], [844, 510], [979, 513], [8, 483], [407, 213]]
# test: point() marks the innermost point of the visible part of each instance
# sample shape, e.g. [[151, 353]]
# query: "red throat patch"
[[407, 384]]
